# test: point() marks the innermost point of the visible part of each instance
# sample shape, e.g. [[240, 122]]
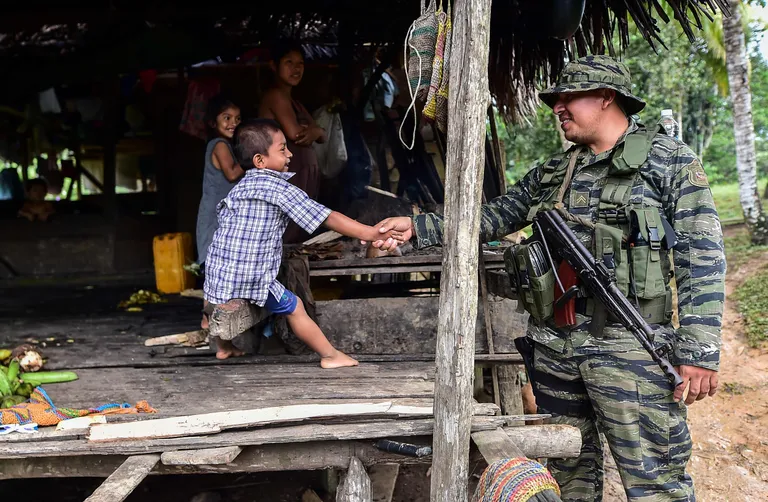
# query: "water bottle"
[[670, 124]]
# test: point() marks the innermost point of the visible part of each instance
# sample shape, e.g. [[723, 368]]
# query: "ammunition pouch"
[[610, 249], [650, 260], [532, 277]]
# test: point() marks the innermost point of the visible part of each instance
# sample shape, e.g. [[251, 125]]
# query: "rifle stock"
[[599, 280]]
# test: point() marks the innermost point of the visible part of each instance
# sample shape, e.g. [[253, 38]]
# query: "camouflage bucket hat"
[[595, 72]]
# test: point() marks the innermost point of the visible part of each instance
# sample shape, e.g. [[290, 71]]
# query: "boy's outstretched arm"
[[351, 228]]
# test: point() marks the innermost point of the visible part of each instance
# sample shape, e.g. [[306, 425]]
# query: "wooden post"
[[356, 486], [111, 117], [488, 326], [467, 105], [496, 146], [511, 393]]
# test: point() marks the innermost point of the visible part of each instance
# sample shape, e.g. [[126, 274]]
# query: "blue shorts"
[[286, 305]]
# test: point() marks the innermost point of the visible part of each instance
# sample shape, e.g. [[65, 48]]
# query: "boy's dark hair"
[[36, 182], [216, 105], [253, 137], [281, 48]]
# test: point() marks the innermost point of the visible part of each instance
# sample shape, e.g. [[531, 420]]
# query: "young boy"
[[245, 255]]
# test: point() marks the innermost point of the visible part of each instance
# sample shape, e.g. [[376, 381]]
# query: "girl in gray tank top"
[[220, 174], [221, 170]]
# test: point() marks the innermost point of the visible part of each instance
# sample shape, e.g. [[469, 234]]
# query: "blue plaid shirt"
[[244, 257]]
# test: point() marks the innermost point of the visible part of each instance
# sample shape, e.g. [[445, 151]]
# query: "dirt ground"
[[730, 429]]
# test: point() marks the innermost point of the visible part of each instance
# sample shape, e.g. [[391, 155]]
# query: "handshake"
[[392, 232]]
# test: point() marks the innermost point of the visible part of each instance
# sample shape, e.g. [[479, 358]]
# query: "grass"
[[752, 301], [727, 200], [751, 296]]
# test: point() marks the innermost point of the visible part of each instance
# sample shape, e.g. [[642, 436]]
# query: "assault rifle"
[[600, 282]]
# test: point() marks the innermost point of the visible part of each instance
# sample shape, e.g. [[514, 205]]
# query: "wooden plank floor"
[[185, 390], [81, 328]]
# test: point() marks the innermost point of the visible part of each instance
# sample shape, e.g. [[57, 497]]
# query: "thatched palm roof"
[[44, 42]]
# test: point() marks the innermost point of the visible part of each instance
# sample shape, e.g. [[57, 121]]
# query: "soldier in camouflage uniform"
[[624, 177]]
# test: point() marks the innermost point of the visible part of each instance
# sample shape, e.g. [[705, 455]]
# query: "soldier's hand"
[[703, 383], [401, 227]]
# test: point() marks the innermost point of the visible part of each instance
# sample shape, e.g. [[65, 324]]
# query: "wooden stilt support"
[[125, 479], [356, 486], [468, 102], [383, 481], [488, 326], [511, 397]]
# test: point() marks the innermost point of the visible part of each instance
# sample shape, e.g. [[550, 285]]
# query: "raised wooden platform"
[[80, 327]]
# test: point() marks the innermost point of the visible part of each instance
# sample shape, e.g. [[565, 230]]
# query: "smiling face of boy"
[[277, 157]]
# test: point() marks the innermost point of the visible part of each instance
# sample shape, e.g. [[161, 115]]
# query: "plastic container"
[[172, 252], [670, 124]]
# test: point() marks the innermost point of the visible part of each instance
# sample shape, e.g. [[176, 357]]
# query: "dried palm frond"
[[521, 60]]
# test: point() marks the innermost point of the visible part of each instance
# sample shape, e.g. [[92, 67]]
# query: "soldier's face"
[[580, 114]]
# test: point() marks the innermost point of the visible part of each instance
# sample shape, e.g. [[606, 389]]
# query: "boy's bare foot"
[[226, 354], [337, 360], [227, 349]]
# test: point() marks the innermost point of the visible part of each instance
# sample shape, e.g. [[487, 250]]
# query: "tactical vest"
[[628, 237]]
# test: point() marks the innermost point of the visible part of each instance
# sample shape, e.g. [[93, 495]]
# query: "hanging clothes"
[[193, 117]]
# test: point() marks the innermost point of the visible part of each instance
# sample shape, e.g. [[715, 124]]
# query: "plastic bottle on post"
[[670, 124]]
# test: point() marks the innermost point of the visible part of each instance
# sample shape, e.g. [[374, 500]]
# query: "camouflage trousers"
[[625, 396]]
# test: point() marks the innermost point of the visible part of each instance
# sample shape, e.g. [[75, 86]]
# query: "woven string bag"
[[418, 55], [441, 100], [430, 108]]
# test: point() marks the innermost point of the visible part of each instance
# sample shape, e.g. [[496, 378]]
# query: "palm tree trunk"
[[743, 128]]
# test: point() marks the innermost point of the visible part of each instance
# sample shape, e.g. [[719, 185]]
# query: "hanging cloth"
[[331, 154], [193, 118], [418, 56]]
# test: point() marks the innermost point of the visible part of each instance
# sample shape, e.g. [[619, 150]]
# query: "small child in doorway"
[[36, 207], [245, 254]]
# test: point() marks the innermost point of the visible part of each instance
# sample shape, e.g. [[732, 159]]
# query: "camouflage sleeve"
[[699, 259], [502, 216]]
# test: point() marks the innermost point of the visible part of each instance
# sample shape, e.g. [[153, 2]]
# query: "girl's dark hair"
[[216, 105], [252, 137], [282, 47]]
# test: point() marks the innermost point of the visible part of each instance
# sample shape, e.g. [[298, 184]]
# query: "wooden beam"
[[383, 481], [319, 455], [356, 485], [207, 456], [211, 423], [111, 136], [536, 441], [430, 259], [546, 441], [468, 100], [121, 483], [495, 445]]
